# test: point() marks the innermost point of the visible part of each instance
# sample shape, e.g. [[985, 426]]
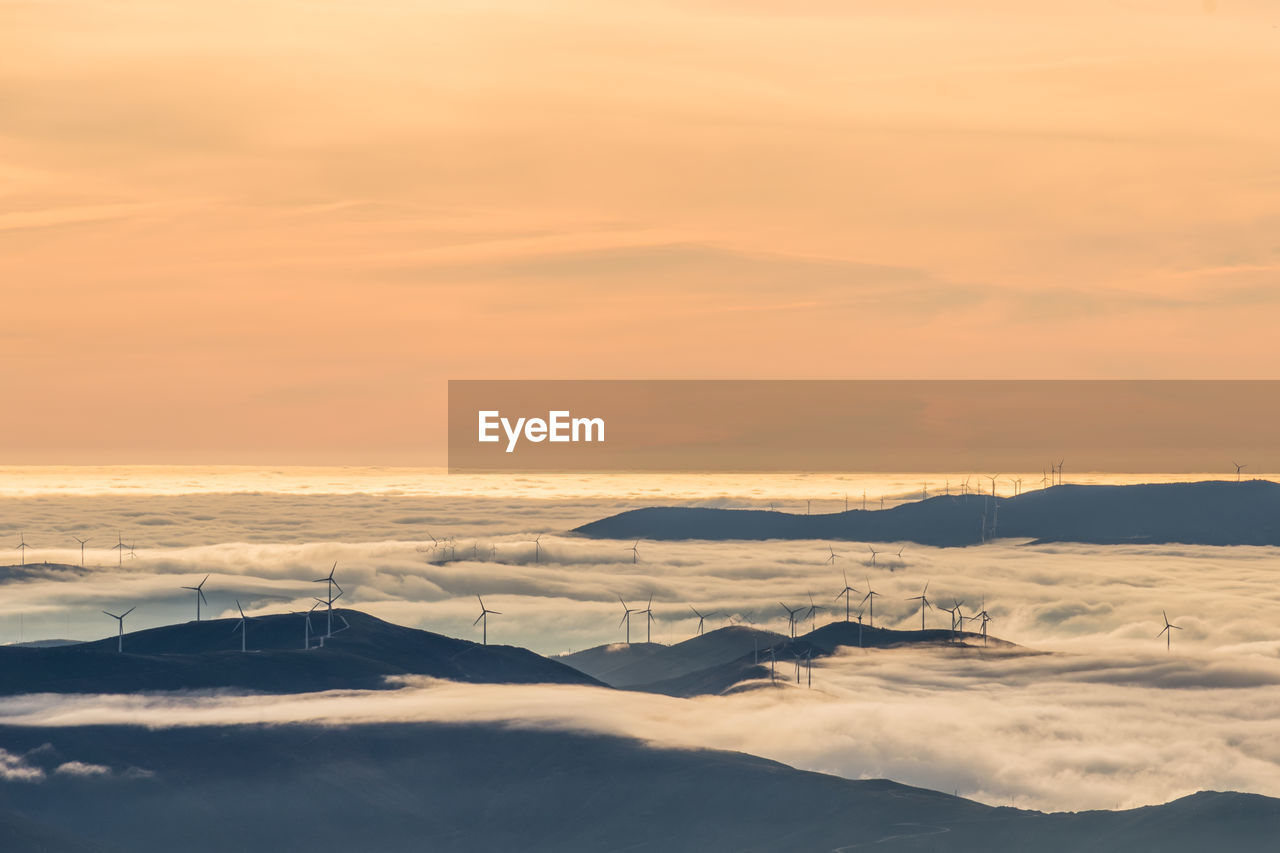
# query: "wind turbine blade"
[[127, 612]]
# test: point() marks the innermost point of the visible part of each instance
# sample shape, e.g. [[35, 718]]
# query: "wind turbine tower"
[[871, 598], [484, 618], [243, 627], [845, 593], [701, 618], [1167, 631], [120, 619], [923, 598], [330, 598], [626, 617], [199, 591]]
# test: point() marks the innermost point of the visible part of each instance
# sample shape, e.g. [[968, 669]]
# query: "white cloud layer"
[[1109, 718]]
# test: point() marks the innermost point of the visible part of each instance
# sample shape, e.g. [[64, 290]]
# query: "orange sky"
[[269, 231]]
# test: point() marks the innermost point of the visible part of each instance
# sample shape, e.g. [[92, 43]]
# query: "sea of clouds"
[[1107, 718]]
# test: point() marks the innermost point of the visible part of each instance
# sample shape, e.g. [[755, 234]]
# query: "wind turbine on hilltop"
[[22, 546], [243, 627], [648, 620], [845, 593], [982, 614], [993, 483], [329, 598], [307, 629], [484, 617], [1167, 631], [923, 598], [120, 619], [952, 611], [635, 552], [870, 597], [1239, 468], [199, 591], [791, 619], [959, 616], [82, 544], [701, 618], [626, 617]]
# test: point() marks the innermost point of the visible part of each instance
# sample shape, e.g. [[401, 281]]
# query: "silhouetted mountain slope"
[[207, 654], [1206, 513], [756, 664], [623, 665], [412, 787]]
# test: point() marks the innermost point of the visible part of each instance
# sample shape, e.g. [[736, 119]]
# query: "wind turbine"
[[952, 611], [832, 559], [791, 619], [330, 597], [243, 627], [812, 614], [537, 548], [131, 554], [923, 598], [306, 630], [648, 620], [870, 597], [1238, 469], [22, 546], [1060, 461], [484, 617], [635, 552], [626, 617], [959, 616], [119, 548], [982, 614], [199, 591], [120, 619], [993, 483], [701, 618], [845, 592], [82, 542], [1167, 631], [873, 554]]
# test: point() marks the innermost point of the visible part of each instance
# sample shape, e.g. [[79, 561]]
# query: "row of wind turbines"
[[242, 626]]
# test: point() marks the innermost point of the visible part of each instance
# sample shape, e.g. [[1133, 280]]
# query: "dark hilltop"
[[361, 654], [1204, 513]]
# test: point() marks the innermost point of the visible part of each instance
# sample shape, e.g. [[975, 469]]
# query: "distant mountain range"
[[1204, 513], [206, 654], [462, 788]]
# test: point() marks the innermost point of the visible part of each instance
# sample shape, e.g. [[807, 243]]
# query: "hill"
[[459, 788], [201, 655], [623, 665], [721, 660], [1204, 513]]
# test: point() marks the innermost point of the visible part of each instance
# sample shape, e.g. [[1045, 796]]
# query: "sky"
[[270, 232]]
